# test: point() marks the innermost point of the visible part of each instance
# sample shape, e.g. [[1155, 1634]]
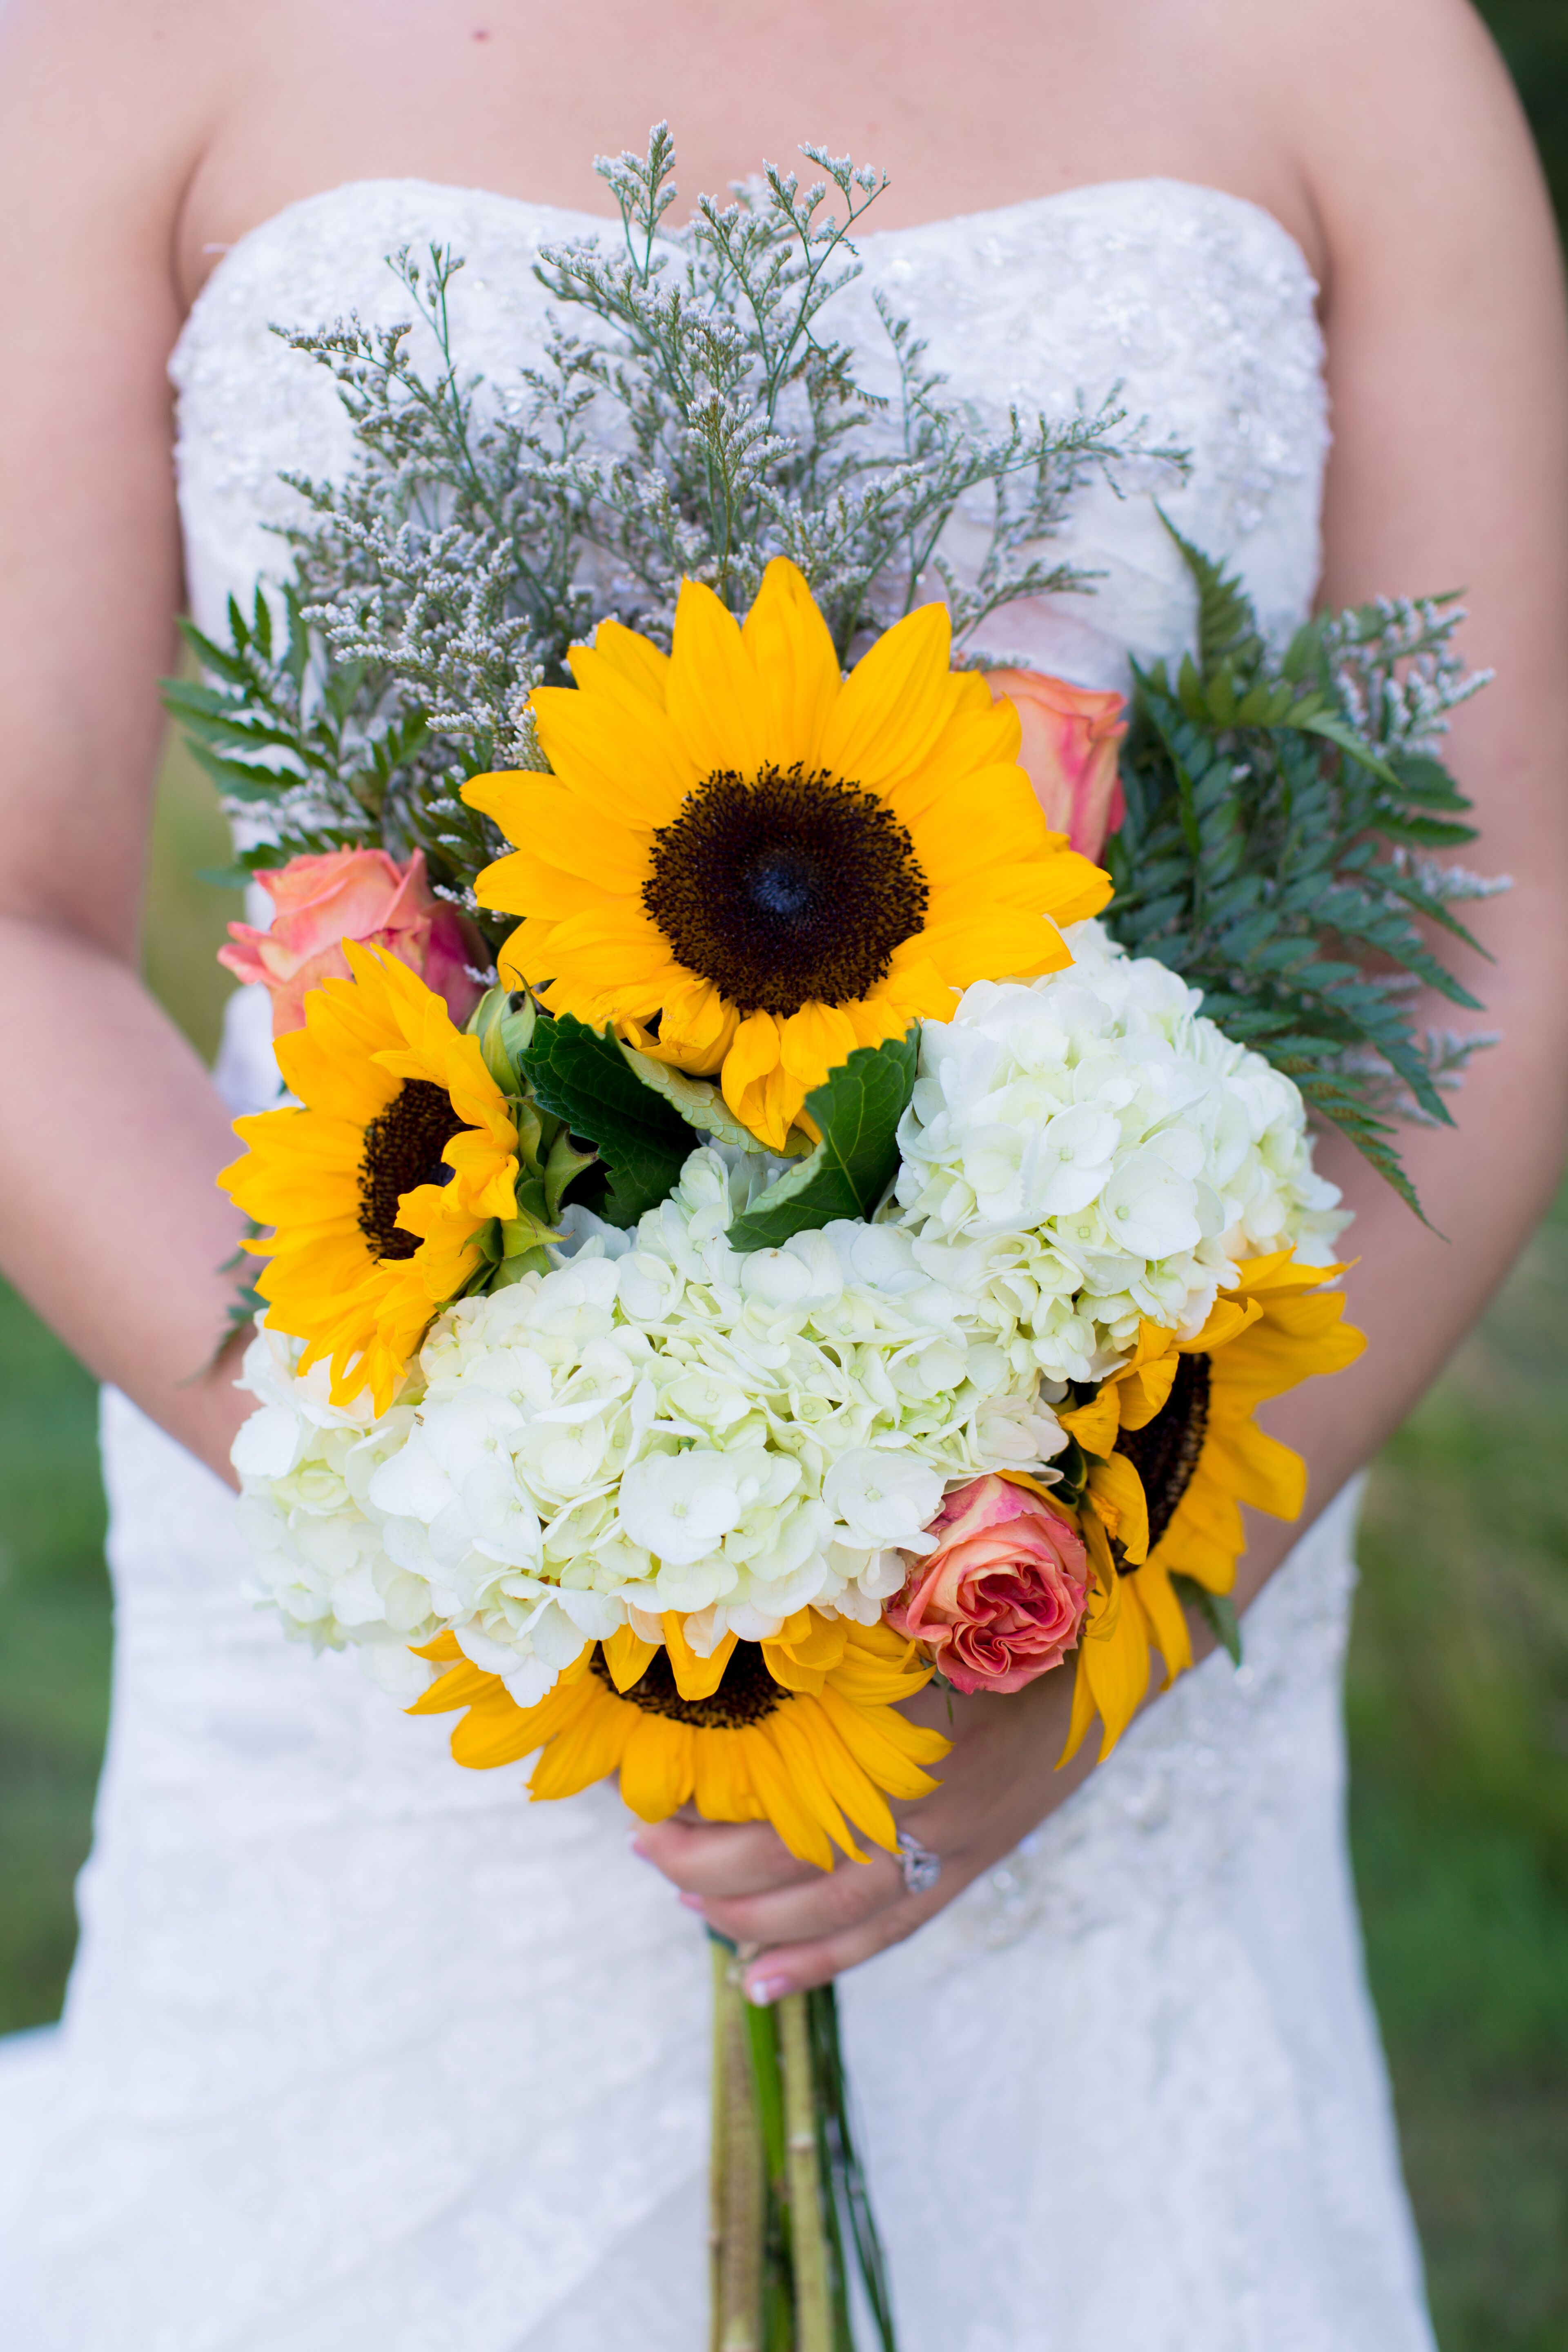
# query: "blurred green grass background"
[[1457, 1693]]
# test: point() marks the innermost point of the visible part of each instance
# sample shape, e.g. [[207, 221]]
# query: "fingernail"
[[689, 1901], [762, 1991]]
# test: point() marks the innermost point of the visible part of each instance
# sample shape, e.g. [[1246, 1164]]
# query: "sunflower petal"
[[894, 703], [628, 763], [657, 1767], [795, 665], [716, 706]]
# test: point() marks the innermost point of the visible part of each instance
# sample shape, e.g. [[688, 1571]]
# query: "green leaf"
[[857, 1110], [583, 1078], [1216, 1608], [1228, 626], [238, 781], [1338, 731]]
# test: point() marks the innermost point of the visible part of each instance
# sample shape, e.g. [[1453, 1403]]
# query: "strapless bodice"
[[1198, 304]]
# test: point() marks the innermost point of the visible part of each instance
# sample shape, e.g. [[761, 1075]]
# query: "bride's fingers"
[[721, 1858], [828, 1904], [799, 1966]]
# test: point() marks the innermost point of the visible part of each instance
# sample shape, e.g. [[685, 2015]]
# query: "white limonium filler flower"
[[1087, 1151], [658, 1423]]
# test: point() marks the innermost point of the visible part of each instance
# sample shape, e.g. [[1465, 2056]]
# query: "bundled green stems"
[[786, 2187]]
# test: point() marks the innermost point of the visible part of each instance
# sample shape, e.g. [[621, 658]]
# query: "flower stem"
[[739, 2186], [808, 2237]]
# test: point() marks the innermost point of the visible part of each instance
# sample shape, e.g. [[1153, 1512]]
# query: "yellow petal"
[[806, 1649], [816, 1039], [620, 663], [1097, 1424], [656, 1767], [987, 817], [1116, 1491], [800, 1754], [587, 1749], [779, 1801], [627, 1656], [723, 1786], [1167, 1618], [871, 1737], [893, 704], [628, 762], [1000, 944], [716, 706], [695, 1677], [795, 665]]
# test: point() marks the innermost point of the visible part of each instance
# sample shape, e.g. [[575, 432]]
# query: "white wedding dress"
[[364, 2053]]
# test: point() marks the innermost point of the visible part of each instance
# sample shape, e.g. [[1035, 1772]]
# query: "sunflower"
[[378, 1187], [750, 865], [799, 1731], [1176, 1450]]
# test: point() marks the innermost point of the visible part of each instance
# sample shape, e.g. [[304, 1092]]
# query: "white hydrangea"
[[659, 1424], [1087, 1151], [316, 1552]]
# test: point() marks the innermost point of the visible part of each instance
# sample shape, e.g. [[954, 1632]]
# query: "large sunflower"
[[1177, 1452], [376, 1188], [799, 1731], [750, 864]]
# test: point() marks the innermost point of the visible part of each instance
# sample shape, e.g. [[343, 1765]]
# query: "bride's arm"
[[1449, 382], [111, 1132]]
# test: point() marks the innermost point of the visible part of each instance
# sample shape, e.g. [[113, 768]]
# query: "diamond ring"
[[921, 1868]]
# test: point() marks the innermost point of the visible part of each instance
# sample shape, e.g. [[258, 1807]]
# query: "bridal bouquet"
[[757, 1225]]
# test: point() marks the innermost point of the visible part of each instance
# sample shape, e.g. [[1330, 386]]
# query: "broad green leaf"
[[583, 1078], [857, 1110]]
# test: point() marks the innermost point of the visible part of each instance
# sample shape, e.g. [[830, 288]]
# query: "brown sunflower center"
[[1165, 1451], [403, 1146], [747, 1693], [785, 889]]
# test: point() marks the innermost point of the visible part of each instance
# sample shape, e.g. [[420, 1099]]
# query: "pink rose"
[[1071, 738], [1001, 1599], [354, 894]]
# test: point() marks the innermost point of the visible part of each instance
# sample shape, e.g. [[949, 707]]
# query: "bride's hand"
[[808, 1925]]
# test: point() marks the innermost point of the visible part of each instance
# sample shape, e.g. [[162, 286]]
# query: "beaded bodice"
[[1198, 304]]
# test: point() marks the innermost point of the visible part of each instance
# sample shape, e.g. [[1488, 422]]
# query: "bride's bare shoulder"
[[1400, 114], [105, 106]]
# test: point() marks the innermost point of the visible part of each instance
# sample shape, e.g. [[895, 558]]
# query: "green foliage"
[[323, 754], [856, 1111], [1280, 817], [750, 436], [584, 1078], [686, 418]]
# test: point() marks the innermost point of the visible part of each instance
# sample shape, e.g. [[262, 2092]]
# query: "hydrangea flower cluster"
[[1087, 1151], [658, 1423]]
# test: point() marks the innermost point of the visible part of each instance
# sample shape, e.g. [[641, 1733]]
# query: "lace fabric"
[[361, 2049]]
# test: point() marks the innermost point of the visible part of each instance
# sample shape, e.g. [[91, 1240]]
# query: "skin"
[[137, 140]]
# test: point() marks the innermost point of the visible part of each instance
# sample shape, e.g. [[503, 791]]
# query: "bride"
[[360, 2051]]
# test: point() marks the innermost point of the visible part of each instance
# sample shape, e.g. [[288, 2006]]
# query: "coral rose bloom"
[[1071, 740], [362, 894], [1001, 1599]]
